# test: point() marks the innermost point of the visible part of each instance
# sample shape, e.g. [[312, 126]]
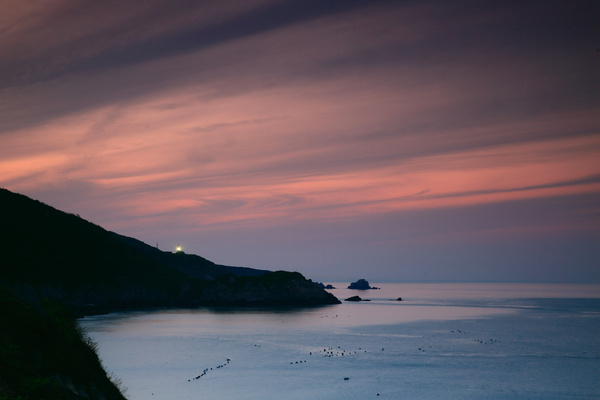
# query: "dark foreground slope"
[[44, 355]]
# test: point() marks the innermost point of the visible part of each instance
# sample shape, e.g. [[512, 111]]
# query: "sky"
[[395, 141]]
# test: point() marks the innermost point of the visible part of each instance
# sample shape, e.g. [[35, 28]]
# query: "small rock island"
[[361, 284], [323, 286], [356, 298]]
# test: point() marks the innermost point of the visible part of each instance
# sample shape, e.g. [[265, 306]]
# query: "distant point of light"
[[178, 249]]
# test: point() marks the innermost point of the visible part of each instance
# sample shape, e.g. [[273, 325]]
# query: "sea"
[[442, 341]]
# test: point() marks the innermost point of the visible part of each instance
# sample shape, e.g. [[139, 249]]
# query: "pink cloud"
[[142, 123]]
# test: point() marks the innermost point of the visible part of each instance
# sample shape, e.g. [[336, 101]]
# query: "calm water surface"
[[498, 341]]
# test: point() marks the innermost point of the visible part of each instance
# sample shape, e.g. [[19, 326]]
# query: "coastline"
[[540, 336]]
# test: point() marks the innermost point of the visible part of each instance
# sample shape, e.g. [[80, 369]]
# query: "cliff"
[[279, 288]]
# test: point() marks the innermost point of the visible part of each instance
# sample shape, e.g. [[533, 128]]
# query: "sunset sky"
[[387, 140]]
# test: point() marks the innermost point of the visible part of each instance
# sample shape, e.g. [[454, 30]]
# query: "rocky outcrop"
[[361, 284], [323, 286], [279, 288], [356, 298]]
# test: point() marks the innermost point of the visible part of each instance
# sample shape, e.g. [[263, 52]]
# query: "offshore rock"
[[353, 298], [361, 284], [324, 286]]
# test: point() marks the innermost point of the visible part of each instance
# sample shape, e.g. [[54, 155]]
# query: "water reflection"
[[422, 302]]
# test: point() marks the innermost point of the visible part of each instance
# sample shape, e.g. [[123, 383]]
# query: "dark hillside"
[[50, 259], [49, 253]]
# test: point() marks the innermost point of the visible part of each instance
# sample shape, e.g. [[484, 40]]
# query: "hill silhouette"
[[190, 264], [47, 253], [55, 266]]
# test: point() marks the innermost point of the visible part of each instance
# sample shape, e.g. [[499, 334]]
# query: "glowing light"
[[178, 249]]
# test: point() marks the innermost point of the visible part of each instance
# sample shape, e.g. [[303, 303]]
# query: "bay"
[[450, 340]]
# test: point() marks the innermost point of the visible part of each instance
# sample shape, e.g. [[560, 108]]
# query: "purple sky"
[[387, 140]]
